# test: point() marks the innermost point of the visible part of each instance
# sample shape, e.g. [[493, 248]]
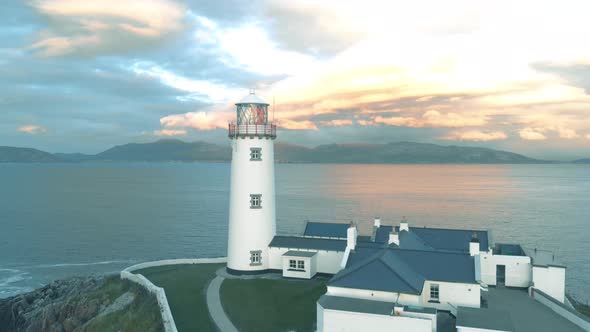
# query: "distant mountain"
[[166, 150], [391, 153], [399, 153], [582, 161], [26, 155]]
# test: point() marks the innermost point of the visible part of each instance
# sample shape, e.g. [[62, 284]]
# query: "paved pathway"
[[216, 309]]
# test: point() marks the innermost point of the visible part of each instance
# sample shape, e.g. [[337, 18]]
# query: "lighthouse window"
[[255, 201], [255, 154], [255, 258]]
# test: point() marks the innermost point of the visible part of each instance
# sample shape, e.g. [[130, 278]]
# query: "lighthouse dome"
[[252, 99]]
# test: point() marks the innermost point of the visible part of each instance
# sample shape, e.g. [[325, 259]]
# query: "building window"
[[255, 201], [296, 265], [255, 154], [300, 265], [434, 294], [255, 258]]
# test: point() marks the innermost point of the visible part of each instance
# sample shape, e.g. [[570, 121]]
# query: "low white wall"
[[341, 321], [167, 319], [326, 261], [550, 280], [561, 309], [405, 299], [473, 329], [518, 269]]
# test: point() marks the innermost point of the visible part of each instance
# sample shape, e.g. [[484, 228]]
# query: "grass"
[[262, 305], [142, 314], [186, 287], [579, 306]]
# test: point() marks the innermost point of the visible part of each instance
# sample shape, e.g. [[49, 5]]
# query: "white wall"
[[518, 269], [251, 229], [457, 294], [307, 273], [472, 329], [326, 261], [343, 321], [405, 299], [550, 280]]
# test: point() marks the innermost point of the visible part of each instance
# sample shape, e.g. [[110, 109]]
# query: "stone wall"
[[167, 319]]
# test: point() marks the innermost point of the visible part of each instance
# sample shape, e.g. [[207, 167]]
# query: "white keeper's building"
[[397, 278]]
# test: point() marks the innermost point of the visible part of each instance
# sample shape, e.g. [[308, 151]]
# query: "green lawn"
[[186, 288], [261, 305]]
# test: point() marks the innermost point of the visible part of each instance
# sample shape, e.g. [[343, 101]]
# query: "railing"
[[244, 130]]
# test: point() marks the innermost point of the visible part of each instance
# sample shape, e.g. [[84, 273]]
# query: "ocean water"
[[60, 220]]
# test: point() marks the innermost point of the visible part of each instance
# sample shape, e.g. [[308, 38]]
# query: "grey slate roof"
[[403, 270], [298, 242], [382, 234], [383, 271], [355, 305], [325, 229], [480, 318], [450, 239], [294, 253]]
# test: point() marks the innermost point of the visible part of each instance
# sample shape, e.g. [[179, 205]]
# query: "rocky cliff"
[[82, 304]]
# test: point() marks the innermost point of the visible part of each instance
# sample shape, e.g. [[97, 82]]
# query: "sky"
[[82, 76]]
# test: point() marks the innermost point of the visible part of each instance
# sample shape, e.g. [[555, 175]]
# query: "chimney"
[[474, 245], [377, 222], [403, 225], [398, 310], [351, 235], [393, 238]]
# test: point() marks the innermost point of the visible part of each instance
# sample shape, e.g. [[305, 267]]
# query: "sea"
[[63, 220]]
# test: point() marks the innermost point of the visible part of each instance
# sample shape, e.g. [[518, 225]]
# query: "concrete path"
[[216, 311]]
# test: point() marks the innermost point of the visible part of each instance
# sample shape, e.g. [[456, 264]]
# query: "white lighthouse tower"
[[252, 219]]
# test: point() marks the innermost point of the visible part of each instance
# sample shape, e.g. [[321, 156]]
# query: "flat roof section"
[[356, 305], [299, 242], [293, 253], [488, 319], [321, 229]]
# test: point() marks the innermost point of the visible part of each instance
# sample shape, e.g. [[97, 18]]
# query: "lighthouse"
[[252, 216]]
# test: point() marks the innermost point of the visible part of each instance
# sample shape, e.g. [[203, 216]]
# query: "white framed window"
[[255, 201], [434, 292], [255, 154], [255, 257], [300, 265], [292, 264]]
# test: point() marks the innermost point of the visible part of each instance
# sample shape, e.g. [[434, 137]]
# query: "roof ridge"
[[434, 250], [400, 276], [451, 229], [416, 236], [356, 267]]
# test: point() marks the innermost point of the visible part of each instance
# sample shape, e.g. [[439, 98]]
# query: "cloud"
[[297, 125], [32, 129], [170, 132], [198, 120], [434, 119], [95, 27], [336, 122], [475, 136], [567, 133], [532, 134]]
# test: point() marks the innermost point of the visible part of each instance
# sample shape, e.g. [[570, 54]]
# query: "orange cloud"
[[532, 134], [435, 119], [101, 26], [297, 125], [170, 132], [198, 120], [567, 133], [475, 136], [31, 129], [336, 123]]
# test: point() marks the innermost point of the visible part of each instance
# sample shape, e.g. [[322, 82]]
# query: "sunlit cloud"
[[475, 136], [198, 120], [567, 133], [170, 132], [93, 27], [32, 129], [336, 122], [532, 134], [434, 119]]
